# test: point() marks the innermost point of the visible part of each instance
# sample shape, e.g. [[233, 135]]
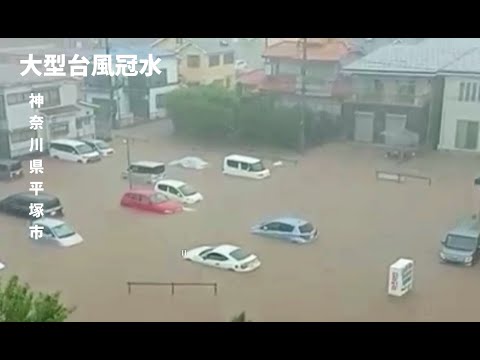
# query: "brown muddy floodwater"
[[364, 226]]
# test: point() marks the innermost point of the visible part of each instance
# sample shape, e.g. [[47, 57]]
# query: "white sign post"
[[400, 277]]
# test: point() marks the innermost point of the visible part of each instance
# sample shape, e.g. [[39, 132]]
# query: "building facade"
[[461, 104], [65, 114], [202, 61], [403, 87]]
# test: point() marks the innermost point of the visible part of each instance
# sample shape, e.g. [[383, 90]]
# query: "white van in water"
[[245, 166], [73, 150]]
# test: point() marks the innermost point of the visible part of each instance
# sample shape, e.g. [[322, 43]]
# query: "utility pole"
[[127, 140], [112, 110], [303, 72]]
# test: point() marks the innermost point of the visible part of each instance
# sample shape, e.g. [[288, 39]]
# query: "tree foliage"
[[214, 112], [18, 303]]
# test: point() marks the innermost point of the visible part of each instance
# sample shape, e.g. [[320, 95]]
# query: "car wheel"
[[55, 157], [80, 161]]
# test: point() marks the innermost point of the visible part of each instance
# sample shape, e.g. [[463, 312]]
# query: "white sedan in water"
[[228, 257], [2, 266]]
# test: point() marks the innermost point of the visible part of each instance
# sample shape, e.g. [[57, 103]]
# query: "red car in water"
[[149, 200]]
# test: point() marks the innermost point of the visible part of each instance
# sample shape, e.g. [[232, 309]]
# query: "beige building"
[[202, 61]]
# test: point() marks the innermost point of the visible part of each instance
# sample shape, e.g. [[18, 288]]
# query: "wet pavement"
[[364, 226]]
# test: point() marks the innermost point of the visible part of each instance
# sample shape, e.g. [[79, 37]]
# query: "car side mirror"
[[264, 227]]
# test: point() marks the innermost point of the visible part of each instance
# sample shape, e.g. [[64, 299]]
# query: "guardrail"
[[172, 285], [399, 177]]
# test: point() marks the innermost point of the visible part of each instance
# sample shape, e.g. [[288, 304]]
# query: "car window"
[[162, 187], [306, 228], [274, 226], [240, 254], [46, 231], [286, 228], [173, 191], [233, 164], [133, 168], [3, 168], [245, 166], [216, 256], [144, 199]]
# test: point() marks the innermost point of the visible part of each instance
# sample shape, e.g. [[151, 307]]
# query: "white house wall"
[[454, 110]]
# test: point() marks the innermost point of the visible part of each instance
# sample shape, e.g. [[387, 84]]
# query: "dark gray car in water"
[[461, 244]]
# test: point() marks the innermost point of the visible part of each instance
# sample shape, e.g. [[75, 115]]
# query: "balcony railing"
[[394, 99], [315, 88]]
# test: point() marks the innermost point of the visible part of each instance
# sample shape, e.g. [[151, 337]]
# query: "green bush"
[[214, 112], [18, 303]]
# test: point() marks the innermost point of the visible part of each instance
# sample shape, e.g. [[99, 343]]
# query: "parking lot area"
[[364, 226]]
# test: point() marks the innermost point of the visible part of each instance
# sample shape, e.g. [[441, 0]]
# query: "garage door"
[[394, 124], [364, 126]]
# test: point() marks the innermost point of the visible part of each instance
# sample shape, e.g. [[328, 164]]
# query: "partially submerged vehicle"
[[401, 145]]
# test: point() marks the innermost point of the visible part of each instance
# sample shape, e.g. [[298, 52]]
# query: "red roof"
[[252, 77], [333, 50]]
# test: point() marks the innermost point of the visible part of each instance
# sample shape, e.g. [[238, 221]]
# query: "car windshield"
[[306, 228], [239, 254], [84, 149], [205, 252], [158, 198], [63, 231], [102, 145], [157, 170], [461, 243], [258, 166], [187, 190]]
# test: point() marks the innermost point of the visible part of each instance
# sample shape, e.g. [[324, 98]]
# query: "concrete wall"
[[204, 74], [454, 110]]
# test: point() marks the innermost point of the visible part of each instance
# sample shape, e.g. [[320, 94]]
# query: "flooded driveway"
[[364, 226]]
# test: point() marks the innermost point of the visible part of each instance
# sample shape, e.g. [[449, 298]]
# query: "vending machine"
[[400, 277]]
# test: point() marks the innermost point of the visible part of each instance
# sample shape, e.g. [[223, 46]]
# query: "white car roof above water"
[[242, 158], [170, 182], [50, 222], [225, 249], [69, 142], [148, 163]]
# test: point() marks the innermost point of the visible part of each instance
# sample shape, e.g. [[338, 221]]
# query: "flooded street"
[[364, 226]]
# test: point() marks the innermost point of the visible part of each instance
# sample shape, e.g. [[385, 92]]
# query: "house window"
[[213, 60], [228, 58], [59, 129], [51, 96], [467, 135], [21, 135], [474, 92], [18, 98], [158, 80], [82, 121], [467, 92], [193, 61], [228, 82], [160, 101], [3, 114], [461, 92]]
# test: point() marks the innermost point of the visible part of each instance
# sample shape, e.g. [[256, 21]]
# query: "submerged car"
[[179, 191], [228, 257], [287, 228], [461, 244], [101, 146], [55, 230], [10, 169], [2, 266], [149, 200], [19, 204]]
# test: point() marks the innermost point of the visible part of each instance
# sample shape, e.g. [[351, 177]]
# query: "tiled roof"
[[427, 57], [327, 51], [211, 45], [468, 63], [10, 76], [252, 78], [59, 110]]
